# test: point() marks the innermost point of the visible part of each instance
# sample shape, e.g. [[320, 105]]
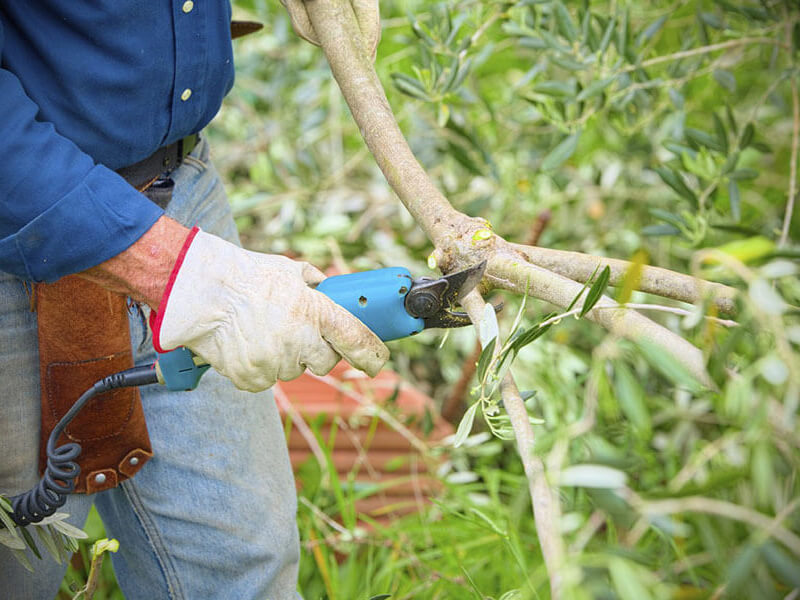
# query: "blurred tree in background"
[[664, 133]]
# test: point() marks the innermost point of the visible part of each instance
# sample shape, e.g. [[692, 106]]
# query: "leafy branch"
[[554, 276], [58, 537]]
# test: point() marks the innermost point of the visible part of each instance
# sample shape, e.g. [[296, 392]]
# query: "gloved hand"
[[367, 14], [253, 317]]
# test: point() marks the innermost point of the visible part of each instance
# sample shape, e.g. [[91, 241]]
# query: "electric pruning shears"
[[388, 301]]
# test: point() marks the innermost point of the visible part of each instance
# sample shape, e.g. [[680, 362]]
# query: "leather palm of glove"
[[367, 15], [254, 318]]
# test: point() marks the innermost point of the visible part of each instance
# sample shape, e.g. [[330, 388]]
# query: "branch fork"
[[461, 241]]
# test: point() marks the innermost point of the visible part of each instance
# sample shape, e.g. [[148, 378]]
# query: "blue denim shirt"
[[85, 88]]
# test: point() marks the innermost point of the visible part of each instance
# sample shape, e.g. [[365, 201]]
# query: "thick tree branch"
[[512, 273], [653, 280], [338, 33]]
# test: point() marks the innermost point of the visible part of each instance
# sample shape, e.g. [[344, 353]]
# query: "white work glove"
[[254, 319], [367, 15]]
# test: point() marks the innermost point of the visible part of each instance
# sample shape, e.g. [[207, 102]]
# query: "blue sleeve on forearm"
[[59, 212]]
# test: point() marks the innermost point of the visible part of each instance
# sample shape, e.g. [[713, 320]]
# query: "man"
[[87, 89]]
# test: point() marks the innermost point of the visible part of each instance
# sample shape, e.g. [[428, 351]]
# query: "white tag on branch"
[[592, 476], [487, 328]]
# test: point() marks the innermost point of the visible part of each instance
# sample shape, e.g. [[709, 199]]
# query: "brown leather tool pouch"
[[84, 336]]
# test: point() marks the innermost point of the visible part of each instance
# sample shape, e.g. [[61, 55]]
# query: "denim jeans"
[[213, 514]]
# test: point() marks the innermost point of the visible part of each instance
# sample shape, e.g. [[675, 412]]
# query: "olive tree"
[[585, 63]]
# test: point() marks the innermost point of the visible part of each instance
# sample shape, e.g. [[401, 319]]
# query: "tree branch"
[[338, 33], [787, 218], [654, 280], [514, 274], [705, 50], [511, 266], [546, 507], [769, 526]]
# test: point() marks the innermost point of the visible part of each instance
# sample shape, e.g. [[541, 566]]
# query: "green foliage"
[[444, 551], [660, 130], [59, 538], [87, 565]]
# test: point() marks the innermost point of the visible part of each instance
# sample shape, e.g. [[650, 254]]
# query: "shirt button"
[[188, 6], [187, 93]]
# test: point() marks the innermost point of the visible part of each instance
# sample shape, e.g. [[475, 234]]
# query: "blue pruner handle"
[[179, 369], [377, 298]]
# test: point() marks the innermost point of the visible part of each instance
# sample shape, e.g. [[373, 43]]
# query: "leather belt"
[[161, 162]]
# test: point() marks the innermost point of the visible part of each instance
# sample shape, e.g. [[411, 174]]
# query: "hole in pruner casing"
[[362, 301]]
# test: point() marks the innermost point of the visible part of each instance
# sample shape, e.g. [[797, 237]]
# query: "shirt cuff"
[[97, 220]]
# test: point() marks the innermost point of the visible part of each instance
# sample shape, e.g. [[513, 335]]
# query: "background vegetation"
[[661, 132]]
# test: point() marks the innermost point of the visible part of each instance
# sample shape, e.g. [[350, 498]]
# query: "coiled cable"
[[58, 480]]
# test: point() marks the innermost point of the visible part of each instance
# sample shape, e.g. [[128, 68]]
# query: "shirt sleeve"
[[60, 213]]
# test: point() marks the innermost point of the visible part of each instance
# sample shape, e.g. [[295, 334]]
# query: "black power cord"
[[58, 480]]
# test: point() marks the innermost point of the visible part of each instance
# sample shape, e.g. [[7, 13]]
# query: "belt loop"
[[159, 164], [160, 192]]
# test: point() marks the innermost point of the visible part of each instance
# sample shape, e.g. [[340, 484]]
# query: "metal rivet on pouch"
[[100, 479], [134, 461]]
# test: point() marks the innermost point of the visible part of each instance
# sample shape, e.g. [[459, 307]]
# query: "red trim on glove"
[[156, 317]]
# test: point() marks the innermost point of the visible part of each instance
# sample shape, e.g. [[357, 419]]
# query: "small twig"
[[564, 315], [586, 533], [729, 510], [787, 219], [283, 402], [704, 50], [634, 306], [689, 470], [546, 507], [337, 258], [539, 225], [675, 310], [362, 458], [587, 421], [94, 576], [323, 517], [373, 409], [485, 26]]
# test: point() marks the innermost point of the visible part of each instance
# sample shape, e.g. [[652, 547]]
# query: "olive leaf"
[[465, 426], [596, 291]]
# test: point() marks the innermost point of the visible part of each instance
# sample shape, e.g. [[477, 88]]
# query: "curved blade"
[[459, 285], [462, 283]]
